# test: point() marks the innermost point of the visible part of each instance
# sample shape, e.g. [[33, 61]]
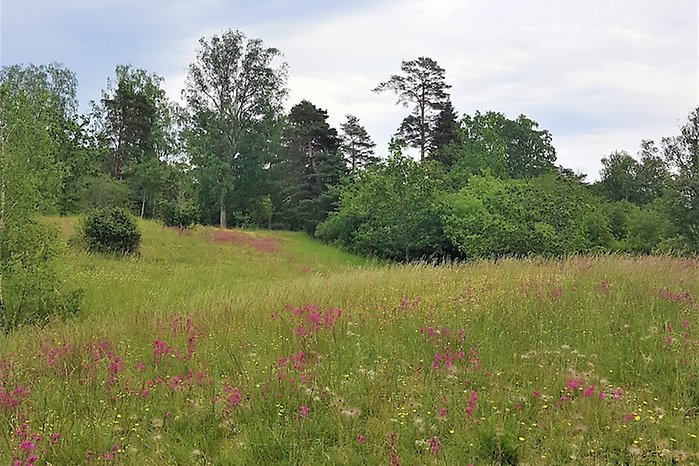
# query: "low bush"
[[180, 214], [111, 231]]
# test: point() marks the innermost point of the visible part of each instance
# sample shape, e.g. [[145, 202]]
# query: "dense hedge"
[[406, 210]]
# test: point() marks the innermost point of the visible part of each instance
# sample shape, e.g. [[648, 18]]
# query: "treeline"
[[484, 186]]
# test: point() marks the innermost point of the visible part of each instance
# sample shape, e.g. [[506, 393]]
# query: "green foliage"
[[234, 96], [32, 281], [357, 146], [422, 84], [145, 180], [492, 217], [32, 102], [132, 120], [104, 192], [308, 170], [492, 143], [444, 134], [647, 228], [682, 152], [78, 158], [391, 212], [111, 231], [180, 213]]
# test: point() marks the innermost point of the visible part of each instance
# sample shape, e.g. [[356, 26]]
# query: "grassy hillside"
[[200, 267], [239, 347]]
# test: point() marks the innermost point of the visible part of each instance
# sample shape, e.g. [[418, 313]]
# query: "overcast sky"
[[600, 75]]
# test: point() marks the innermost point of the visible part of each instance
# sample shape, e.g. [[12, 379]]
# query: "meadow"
[[248, 347]]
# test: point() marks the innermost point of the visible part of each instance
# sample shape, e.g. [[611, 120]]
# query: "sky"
[[599, 75]]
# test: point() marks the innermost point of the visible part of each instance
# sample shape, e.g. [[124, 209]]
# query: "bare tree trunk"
[[222, 216], [422, 125], [143, 203], [2, 220]]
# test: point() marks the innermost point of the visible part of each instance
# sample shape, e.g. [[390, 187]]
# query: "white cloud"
[[605, 74], [597, 73]]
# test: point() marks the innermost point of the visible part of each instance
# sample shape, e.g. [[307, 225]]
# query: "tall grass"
[[209, 349]]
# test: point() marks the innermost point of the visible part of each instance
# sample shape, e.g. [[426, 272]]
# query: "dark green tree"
[[132, 119], [357, 146], [618, 177], [134, 125], [423, 85], [653, 174], [391, 212], [444, 133], [639, 182], [232, 90], [309, 167], [490, 143]]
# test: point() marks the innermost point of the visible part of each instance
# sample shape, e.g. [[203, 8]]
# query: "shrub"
[[111, 231], [103, 192], [180, 214], [34, 289]]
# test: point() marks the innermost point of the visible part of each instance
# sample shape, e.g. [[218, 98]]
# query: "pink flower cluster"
[[312, 319], [10, 400]]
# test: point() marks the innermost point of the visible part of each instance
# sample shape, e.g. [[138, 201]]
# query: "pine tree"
[[308, 169], [445, 132], [357, 146], [422, 84]]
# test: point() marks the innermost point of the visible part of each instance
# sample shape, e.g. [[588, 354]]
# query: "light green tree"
[[30, 177]]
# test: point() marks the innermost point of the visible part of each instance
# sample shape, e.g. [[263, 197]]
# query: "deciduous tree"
[[235, 85], [31, 105]]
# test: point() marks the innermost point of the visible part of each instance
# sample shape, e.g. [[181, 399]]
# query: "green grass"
[[277, 375]]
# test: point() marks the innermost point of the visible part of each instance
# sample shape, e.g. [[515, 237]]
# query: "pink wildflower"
[[360, 439], [27, 446], [472, 397], [574, 384], [588, 391], [303, 412], [434, 445], [394, 459]]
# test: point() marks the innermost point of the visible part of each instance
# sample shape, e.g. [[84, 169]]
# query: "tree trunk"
[[143, 203], [422, 125], [222, 215], [312, 159], [2, 221]]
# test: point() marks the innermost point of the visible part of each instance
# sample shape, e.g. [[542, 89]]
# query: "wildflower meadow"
[[268, 348]]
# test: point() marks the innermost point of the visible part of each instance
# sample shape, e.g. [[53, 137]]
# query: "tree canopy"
[[422, 84]]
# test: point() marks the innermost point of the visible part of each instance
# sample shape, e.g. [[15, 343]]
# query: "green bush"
[[391, 212], [180, 214], [102, 192], [111, 231], [34, 289]]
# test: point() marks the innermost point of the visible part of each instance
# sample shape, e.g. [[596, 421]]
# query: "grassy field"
[[232, 347]]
